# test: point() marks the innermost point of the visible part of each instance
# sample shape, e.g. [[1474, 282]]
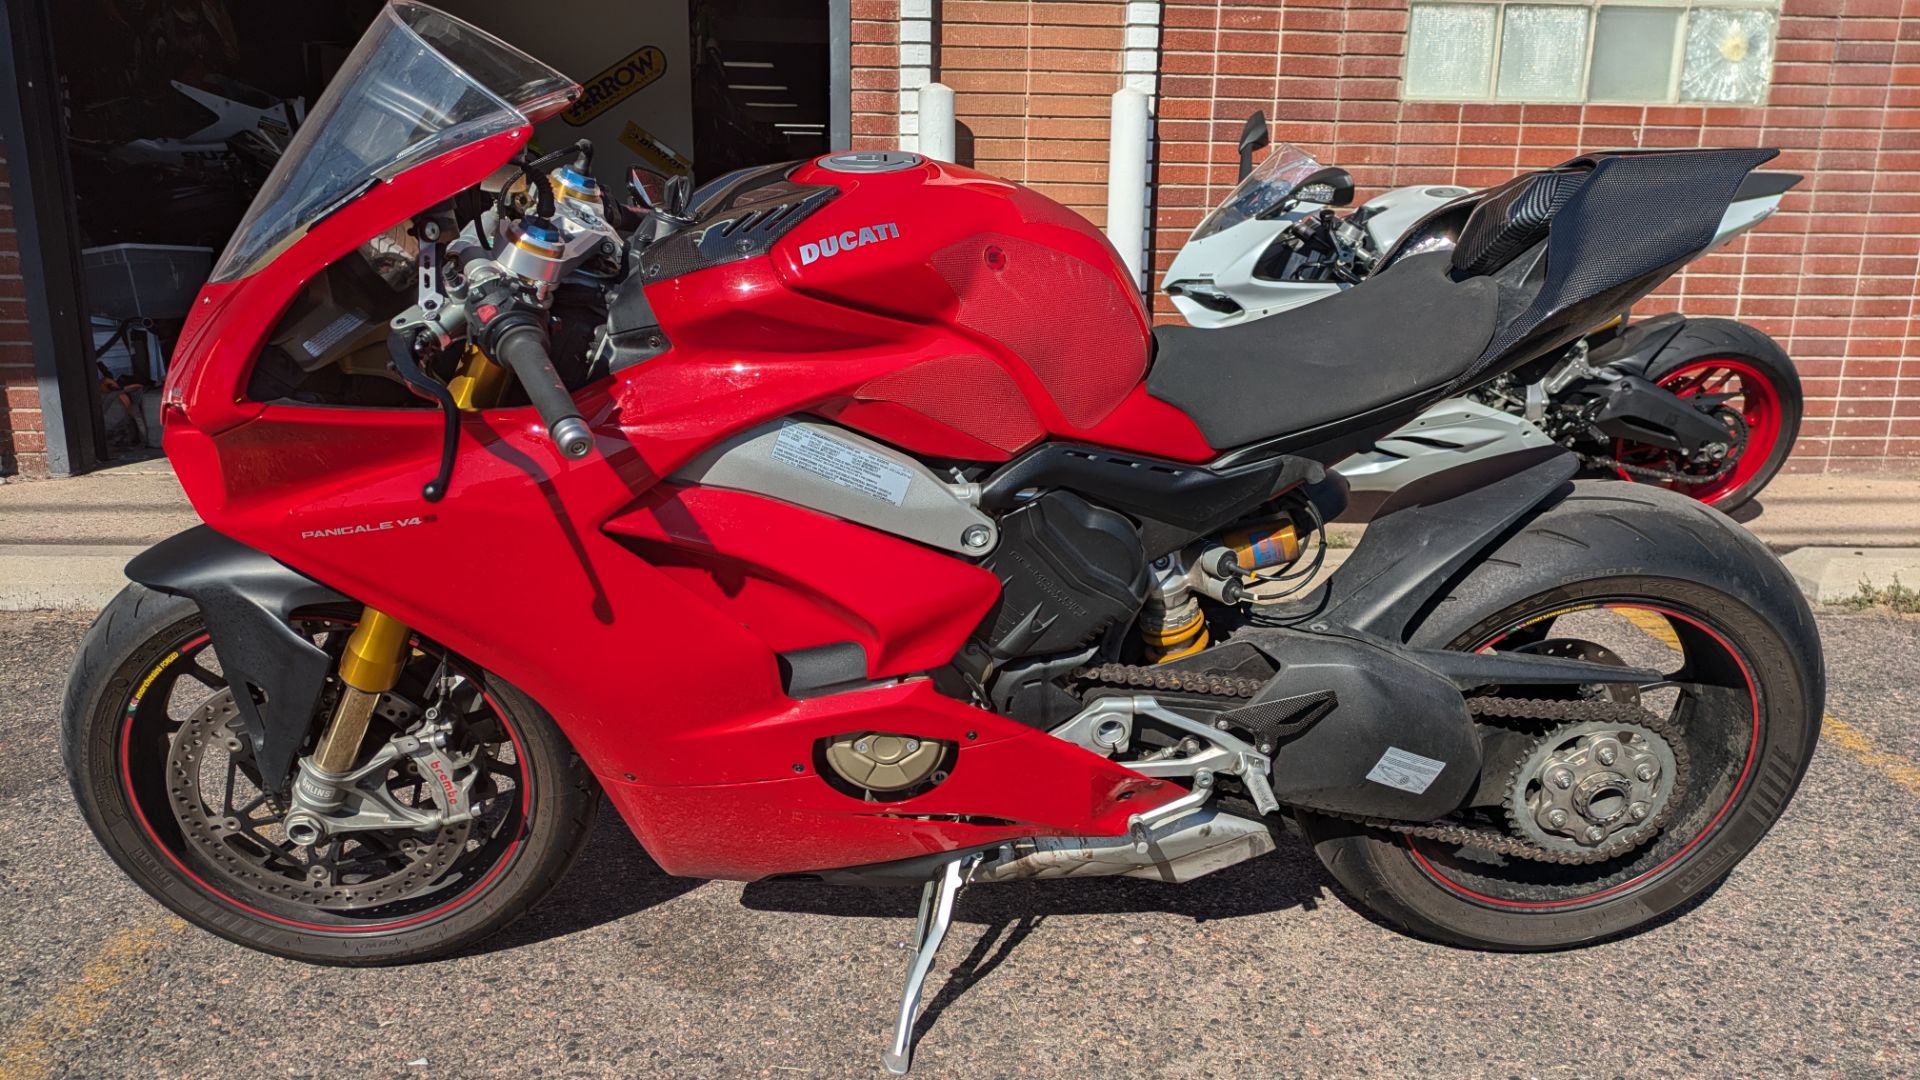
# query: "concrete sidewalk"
[[63, 543]]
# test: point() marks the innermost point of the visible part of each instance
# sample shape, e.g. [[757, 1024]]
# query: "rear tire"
[[137, 647], [1772, 411], [1611, 540]]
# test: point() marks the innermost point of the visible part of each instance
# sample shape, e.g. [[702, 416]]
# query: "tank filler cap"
[[871, 161]]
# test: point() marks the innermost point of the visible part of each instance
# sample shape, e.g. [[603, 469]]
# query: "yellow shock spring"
[[1171, 642]]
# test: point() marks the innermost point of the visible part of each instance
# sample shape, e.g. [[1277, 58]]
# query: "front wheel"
[[1628, 575], [163, 772]]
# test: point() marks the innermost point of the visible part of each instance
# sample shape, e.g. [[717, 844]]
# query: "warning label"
[[842, 463], [1405, 770]]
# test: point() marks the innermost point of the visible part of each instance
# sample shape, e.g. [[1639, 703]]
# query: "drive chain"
[[1549, 710], [1644, 472], [1152, 677]]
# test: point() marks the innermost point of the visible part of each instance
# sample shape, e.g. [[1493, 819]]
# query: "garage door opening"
[[176, 112]]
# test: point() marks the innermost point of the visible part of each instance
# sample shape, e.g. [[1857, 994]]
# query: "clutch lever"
[[400, 348]]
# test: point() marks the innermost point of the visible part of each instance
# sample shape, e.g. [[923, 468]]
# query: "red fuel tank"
[[1048, 335]]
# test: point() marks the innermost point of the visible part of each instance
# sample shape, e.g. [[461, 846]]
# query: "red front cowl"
[[649, 617]]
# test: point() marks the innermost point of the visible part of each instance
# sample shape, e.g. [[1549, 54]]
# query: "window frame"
[[1675, 72]]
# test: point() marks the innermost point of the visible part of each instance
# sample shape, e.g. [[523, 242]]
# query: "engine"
[[1069, 571]]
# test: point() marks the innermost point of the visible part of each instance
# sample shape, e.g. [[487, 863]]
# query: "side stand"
[[936, 915]]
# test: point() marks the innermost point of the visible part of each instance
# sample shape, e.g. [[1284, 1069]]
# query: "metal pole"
[[840, 74], [34, 131], [1127, 180], [936, 121]]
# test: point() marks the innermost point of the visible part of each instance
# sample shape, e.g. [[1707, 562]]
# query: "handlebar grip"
[[524, 349]]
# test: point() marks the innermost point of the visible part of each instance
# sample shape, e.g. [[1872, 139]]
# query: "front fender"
[[248, 599]]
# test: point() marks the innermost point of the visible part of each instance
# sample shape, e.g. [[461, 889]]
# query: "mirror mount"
[[1253, 136]]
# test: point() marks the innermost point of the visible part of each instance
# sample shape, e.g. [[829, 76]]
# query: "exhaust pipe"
[[1191, 847]]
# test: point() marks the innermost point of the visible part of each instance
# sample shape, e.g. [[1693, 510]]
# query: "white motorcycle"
[[1709, 407]]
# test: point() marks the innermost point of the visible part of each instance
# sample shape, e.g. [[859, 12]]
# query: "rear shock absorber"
[[1172, 624]]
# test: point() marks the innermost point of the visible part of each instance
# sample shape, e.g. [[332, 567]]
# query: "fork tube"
[[369, 667], [377, 650]]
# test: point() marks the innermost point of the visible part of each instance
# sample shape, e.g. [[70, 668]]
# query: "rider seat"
[[1407, 331]]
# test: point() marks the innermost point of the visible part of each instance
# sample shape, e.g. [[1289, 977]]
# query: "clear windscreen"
[[419, 84], [1264, 188]]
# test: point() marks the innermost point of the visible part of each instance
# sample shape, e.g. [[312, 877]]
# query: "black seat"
[[1408, 330]]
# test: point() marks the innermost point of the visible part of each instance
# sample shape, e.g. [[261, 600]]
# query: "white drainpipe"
[[936, 121], [1127, 179], [1131, 150]]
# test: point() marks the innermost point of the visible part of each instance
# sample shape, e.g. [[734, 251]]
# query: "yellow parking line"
[[1851, 739], [27, 1051], [1656, 626], [1844, 735]]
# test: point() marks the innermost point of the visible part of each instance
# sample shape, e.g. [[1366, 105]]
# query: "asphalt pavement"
[[1805, 963]]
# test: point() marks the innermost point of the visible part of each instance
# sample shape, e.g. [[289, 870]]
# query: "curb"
[[62, 577], [1832, 574]]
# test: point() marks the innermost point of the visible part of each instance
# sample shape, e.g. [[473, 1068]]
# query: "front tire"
[[1747, 642], [143, 729]]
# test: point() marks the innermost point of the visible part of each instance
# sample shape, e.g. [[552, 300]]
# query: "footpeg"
[[936, 915]]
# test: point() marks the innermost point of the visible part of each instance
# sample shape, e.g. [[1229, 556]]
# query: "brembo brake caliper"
[[326, 804]]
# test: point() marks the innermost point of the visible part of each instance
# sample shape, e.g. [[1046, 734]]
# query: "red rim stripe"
[[1753, 748], [506, 859]]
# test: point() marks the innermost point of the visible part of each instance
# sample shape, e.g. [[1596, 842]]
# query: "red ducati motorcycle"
[[771, 511]]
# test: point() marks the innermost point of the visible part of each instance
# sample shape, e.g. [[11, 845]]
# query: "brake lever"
[[400, 351]]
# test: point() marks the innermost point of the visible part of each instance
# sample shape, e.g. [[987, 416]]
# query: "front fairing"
[[1230, 241], [418, 85], [424, 108]]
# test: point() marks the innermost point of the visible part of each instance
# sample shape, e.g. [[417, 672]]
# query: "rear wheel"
[[1762, 409], [1674, 801], [164, 774]]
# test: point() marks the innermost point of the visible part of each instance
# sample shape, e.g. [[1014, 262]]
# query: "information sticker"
[[843, 463]]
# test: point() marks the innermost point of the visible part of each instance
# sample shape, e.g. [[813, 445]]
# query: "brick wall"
[[1832, 276], [23, 446], [876, 74], [1032, 86]]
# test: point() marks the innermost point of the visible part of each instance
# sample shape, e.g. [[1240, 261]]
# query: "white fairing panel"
[[1451, 433], [1744, 215], [1400, 209], [1225, 261]]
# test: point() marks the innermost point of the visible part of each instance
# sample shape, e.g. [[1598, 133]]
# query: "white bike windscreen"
[[1264, 188]]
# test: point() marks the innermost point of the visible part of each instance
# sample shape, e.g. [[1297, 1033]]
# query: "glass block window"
[[1711, 51]]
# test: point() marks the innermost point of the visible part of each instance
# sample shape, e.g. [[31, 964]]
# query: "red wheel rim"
[[1675, 859], [1755, 398], [197, 641]]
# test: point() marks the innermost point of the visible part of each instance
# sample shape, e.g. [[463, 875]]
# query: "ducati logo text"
[[829, 246]]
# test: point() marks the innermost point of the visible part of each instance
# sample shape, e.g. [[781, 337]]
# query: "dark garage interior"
[[171, 114]]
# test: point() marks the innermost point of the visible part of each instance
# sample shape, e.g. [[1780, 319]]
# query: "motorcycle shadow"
[[1288, 877], [612, 879]]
